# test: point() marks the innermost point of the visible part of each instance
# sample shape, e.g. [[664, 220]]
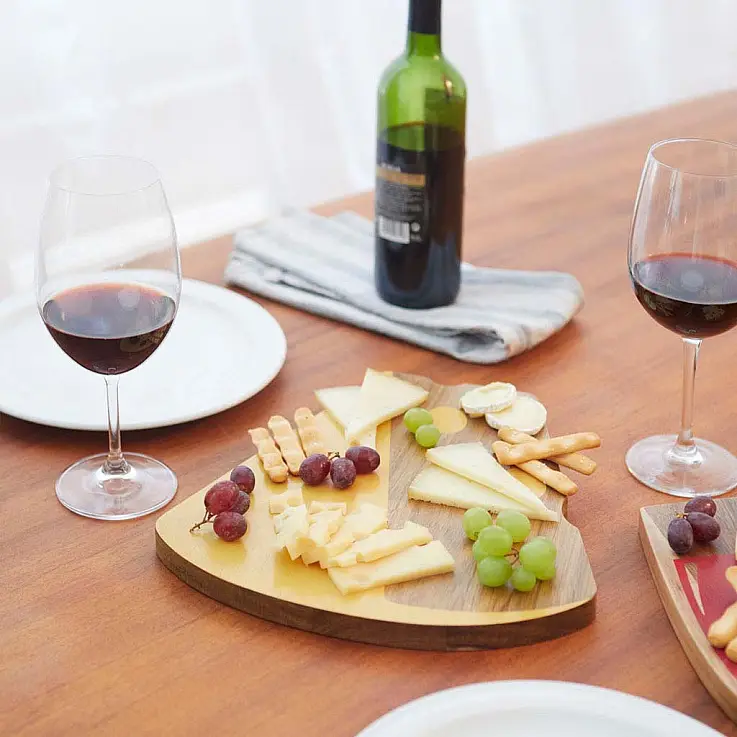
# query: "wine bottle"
[[421, 155]]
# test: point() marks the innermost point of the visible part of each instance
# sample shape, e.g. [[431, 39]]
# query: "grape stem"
[[514, 553], [207, 518]]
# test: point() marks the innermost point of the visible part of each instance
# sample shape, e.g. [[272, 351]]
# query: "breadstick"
[[731, 574], [731, 650], [287, 441], [724, 630], [577, 461], [512, 455], [554, 479], [309, 432], [269, 455]]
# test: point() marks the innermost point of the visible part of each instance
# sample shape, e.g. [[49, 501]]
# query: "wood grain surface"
[[99, 638], [448, 612], [654, 521]]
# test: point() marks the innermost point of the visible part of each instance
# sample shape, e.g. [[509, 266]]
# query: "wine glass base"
[[86, 489], [711, 472]]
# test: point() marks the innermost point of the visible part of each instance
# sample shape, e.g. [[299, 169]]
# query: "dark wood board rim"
[[377, 631]]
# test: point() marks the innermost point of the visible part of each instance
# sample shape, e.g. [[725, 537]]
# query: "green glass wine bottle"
[[421, 155]]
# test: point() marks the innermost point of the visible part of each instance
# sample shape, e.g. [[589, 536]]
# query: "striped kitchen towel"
[[325, 266]]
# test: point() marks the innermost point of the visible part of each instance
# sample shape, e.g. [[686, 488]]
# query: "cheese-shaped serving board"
[[451, 611], [695, 592]]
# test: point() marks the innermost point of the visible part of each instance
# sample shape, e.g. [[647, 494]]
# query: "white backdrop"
[[248, 104]]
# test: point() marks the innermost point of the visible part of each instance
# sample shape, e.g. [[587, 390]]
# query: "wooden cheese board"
[[445, 612], [695, 592]]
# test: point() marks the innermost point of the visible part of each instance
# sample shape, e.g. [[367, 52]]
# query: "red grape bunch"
[[696, 524], [226, 504], [358, 459]]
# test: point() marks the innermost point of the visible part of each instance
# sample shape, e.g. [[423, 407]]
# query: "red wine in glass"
[[109, 328], [690, 294]]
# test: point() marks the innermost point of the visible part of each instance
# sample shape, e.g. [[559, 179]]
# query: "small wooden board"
[[695, 592], [448, 612]]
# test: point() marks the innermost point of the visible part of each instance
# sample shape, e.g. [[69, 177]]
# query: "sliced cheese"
[[323, 526], [416, 562], [316, 507], [281, 518], [474, 462], [293, 530], [381, 544], [526, 415], [292, 497], [340, 404], [358, 524], [438, 486], [490, 398], [381, 398]]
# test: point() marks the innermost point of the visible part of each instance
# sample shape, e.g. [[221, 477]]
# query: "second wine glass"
[[683, 265], [108, 317]]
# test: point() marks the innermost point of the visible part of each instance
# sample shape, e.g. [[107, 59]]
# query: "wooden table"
[[96, 637]]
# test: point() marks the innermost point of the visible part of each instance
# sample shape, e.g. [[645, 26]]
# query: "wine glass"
[[683, 265], [102, 212]]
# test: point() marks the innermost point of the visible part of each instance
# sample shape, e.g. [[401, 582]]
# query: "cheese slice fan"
[[381, 544], [526, 415], [416, 562], [474, 462]]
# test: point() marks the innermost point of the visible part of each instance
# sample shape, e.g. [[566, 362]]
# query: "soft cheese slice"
[[316, 507], [293, 530], [360, 523], [292, 497], [416, 562], [490, 398], [474, 462], [438, 486], [381, 398], [526, 414], [381, 544], [340, 404]]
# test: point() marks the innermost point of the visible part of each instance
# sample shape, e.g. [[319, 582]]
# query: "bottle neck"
[[423, 28]]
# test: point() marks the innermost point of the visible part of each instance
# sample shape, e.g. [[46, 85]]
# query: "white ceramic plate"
[[222, 349], [534, 709]]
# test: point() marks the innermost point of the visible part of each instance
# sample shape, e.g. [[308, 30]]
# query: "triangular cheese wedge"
[[474, 462], [382, 397], [340, 403], [438, 486]]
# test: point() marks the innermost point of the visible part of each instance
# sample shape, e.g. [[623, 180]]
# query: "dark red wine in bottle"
[[109, 328], [421, 154]]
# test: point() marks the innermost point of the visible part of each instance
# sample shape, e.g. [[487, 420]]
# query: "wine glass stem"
[[685, 449], [115, 463]]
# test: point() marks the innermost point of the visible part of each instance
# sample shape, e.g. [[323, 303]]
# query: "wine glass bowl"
[[101, 212], [682, 261]]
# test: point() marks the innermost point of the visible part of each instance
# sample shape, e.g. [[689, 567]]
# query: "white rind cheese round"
[[490, 398], [526, 415]]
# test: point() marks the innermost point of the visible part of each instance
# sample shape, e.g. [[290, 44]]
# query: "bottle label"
[[401, 197]]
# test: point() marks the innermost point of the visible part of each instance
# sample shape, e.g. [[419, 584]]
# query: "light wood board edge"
[[712, 672]]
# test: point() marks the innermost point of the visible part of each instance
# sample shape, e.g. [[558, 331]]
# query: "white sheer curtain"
[[245, 105]]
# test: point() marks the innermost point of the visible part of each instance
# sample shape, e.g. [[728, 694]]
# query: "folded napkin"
[[325, 266]]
